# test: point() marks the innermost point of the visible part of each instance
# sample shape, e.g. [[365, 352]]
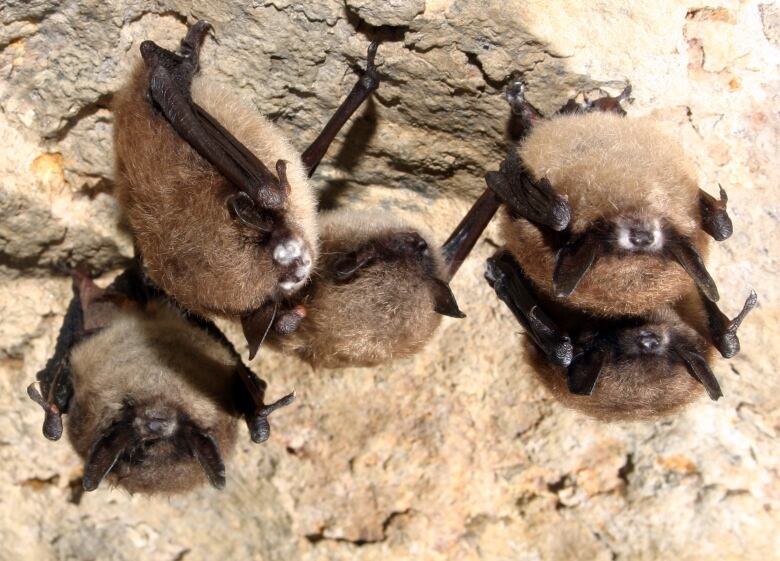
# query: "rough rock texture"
[[457, 453]]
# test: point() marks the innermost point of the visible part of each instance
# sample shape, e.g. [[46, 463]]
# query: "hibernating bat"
[[216, 229], [628, 368], [152, 395], [604, 211], [379, 290]]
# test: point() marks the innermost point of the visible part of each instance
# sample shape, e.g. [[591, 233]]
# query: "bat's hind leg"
[[606, 103], [361, 91], [535, 201]]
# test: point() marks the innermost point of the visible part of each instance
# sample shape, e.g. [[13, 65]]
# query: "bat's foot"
[[370, 78], [523, 115], [294, 258], [190, 45], [181, 68], [606, 103]]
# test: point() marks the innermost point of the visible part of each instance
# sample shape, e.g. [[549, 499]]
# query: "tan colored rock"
[[456, 453], [387, 12]]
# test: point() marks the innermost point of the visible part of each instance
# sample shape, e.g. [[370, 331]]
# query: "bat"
[[217, 230], [379, 290], [604, 211], [152, 395], [619, 368]]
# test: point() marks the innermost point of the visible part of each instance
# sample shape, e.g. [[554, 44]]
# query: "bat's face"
[[624, 264], [645, 342], [403, 259], [153, 446], [637, 234], [634, 240], [636, 369], [377, 296]]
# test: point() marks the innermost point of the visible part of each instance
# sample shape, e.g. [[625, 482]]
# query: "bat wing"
[[170, 79], [508, 280]]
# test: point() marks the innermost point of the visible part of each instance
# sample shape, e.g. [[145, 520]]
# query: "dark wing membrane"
[[583, 373], [169, 86], [573, 262], [535, 201], [686, 255], [699, 369], [508, 280], [106, 451]]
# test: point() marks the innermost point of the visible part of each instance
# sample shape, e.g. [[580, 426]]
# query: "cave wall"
[[457, 453]]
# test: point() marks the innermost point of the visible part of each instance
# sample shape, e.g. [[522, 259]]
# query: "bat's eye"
[[647, 342], [408, 243]]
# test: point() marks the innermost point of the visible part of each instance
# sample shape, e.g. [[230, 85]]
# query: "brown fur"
[[609, 166], [176, 202], [157, 359], [636, 388], [385, 312]]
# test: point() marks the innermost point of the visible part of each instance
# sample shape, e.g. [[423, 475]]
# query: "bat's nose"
[[641, 238], [155, 424], [648, 342]]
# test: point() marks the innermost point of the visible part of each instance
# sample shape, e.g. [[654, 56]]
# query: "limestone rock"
[[456, 453], [387, 12]]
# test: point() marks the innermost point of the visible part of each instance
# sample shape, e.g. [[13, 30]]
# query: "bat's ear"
[[350, 263], [105, 452], [686, 255], [256, 324], [444, 302], [583, 373], [205, 449], [699, 369], [573, 262]]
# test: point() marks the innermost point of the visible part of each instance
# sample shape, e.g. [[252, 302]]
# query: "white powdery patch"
[[287, 251]]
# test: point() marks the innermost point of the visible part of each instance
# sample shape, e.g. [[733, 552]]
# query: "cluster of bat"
[[602, 228]]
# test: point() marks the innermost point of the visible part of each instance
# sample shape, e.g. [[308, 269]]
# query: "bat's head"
[[378, 293], [638, 368], [634, 241], [153, 407], [153, 446]]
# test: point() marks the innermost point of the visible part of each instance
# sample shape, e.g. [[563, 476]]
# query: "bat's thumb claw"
[[259, 428]]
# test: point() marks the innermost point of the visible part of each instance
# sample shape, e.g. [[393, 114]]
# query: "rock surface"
[[456, 453]]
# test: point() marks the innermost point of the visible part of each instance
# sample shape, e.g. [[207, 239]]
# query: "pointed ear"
[[349, 264], [582, 375], [205, 449], [699, 369], [444, 302], [105, 452], [256, 324], [574, 261], [686, 255]]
